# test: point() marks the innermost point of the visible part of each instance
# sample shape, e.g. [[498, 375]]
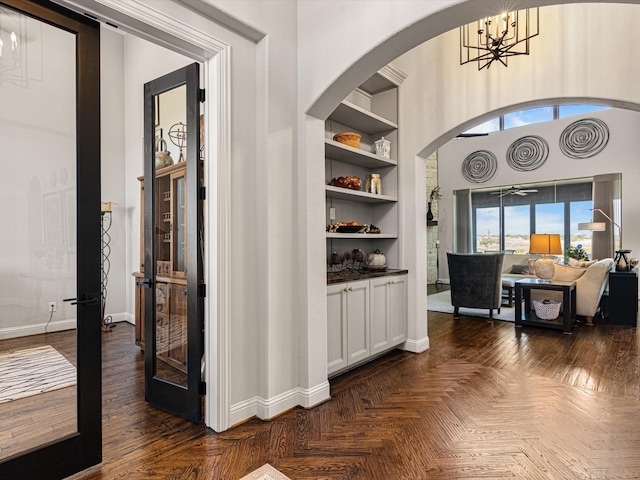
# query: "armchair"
[[475, 281]]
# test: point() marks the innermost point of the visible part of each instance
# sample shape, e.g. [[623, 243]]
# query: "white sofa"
[[590, 281]]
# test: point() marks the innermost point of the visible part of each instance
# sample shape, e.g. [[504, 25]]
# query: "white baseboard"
[[416, 346], [54, 326], [266, 409], [37, 329]]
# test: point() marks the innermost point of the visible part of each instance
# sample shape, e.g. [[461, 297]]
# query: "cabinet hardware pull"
[[345, 289]]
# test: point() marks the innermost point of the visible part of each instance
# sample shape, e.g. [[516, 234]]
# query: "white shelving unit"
[[372, 111]]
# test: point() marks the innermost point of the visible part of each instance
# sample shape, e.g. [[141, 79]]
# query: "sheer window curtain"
[[607, 196], [462, 239]]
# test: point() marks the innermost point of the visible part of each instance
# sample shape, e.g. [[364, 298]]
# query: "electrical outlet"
[[332, 214], [53, 306]]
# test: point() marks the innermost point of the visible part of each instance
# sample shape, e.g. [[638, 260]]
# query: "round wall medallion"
[[479, 166], [528, 153], [584, 138]]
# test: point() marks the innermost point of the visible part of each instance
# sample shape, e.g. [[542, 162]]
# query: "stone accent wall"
[[432, 231]]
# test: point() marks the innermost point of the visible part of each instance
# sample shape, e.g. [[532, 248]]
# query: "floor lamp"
[[621, 260]]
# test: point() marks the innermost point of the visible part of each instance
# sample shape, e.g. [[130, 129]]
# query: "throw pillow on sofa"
[[580, 263], [520, 269]]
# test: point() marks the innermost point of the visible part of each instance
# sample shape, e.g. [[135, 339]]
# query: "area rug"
[[441, 302], [265, 472], [33, 371]]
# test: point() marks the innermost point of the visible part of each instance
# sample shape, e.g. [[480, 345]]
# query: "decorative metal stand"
[[105, 252]]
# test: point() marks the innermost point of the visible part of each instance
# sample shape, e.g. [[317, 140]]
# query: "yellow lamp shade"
[[545, 244]]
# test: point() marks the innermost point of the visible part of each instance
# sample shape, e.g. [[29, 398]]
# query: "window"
[[487, 229], [565, 111], [532, 115], [505, 221], [528, 117]]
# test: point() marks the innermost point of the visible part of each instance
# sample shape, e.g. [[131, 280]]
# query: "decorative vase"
[[622, 261], [372, 184], [429, 213], [383, 148], [376, 260]]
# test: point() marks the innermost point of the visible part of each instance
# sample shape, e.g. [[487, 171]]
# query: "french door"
[[173, 243], [50, 245]]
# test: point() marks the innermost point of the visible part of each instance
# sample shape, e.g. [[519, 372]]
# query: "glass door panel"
[[50, 242], [38, 241], [173, 315]]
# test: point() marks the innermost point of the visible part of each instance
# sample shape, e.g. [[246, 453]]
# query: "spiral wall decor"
[[528, 153], [584, 138], [479, 166]]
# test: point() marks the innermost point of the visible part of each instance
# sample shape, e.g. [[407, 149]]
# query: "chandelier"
[[12, 54], [498, 38]]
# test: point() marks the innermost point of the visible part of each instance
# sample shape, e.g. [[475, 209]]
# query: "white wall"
[[618, 156], [112, 170]]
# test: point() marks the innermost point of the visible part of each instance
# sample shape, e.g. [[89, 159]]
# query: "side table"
[[528, 317], [623, 297]]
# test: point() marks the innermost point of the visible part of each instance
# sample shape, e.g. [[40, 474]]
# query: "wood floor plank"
[[486, 401]]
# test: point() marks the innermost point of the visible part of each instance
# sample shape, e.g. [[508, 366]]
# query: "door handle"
[[89, 299], [147, 282]]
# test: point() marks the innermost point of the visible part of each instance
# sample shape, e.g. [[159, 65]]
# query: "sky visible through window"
[[533, 115]]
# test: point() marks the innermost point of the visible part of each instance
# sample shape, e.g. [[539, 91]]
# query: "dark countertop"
[[352, 276]]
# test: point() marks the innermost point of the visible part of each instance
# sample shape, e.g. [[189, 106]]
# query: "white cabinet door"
[[397, 308], [358, 346], [388, 312], [336, 327], [380, 334]]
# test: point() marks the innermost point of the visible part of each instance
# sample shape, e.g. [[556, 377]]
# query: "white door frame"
[[149, 22]]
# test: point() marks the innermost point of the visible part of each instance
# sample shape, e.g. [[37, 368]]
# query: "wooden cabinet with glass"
[[171, 285]]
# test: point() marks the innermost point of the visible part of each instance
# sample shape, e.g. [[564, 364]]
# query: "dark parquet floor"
[[485, 402]]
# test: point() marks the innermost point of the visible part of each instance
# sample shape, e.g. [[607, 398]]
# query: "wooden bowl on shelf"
[[348, 138]]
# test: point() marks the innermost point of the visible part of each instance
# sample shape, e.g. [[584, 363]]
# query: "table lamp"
[[545, 244]]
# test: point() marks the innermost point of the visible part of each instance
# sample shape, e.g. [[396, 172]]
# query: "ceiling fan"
[[515, 191]]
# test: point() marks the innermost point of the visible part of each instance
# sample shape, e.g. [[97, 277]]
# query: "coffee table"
[[564, 322]]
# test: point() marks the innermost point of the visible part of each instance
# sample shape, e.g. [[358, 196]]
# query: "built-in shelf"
[[362, 235], [362, 120], [344, 153], [357, 196]]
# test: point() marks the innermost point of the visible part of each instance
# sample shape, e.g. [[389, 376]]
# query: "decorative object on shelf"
[[479, 166], [383, 148], [178, 136], [633, 263], [376, 260], [584, 138], [433, 196], [429, 213], [622, 261], [545, 244], [348, 138], [354, 183], [547, 309], [528, 153], [335, 262], [372, 184], [163, 156], [499, 37], [105, 264], [350, 228]]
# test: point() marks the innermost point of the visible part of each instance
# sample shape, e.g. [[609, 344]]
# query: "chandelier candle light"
[[545, 244], [499, 37]]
